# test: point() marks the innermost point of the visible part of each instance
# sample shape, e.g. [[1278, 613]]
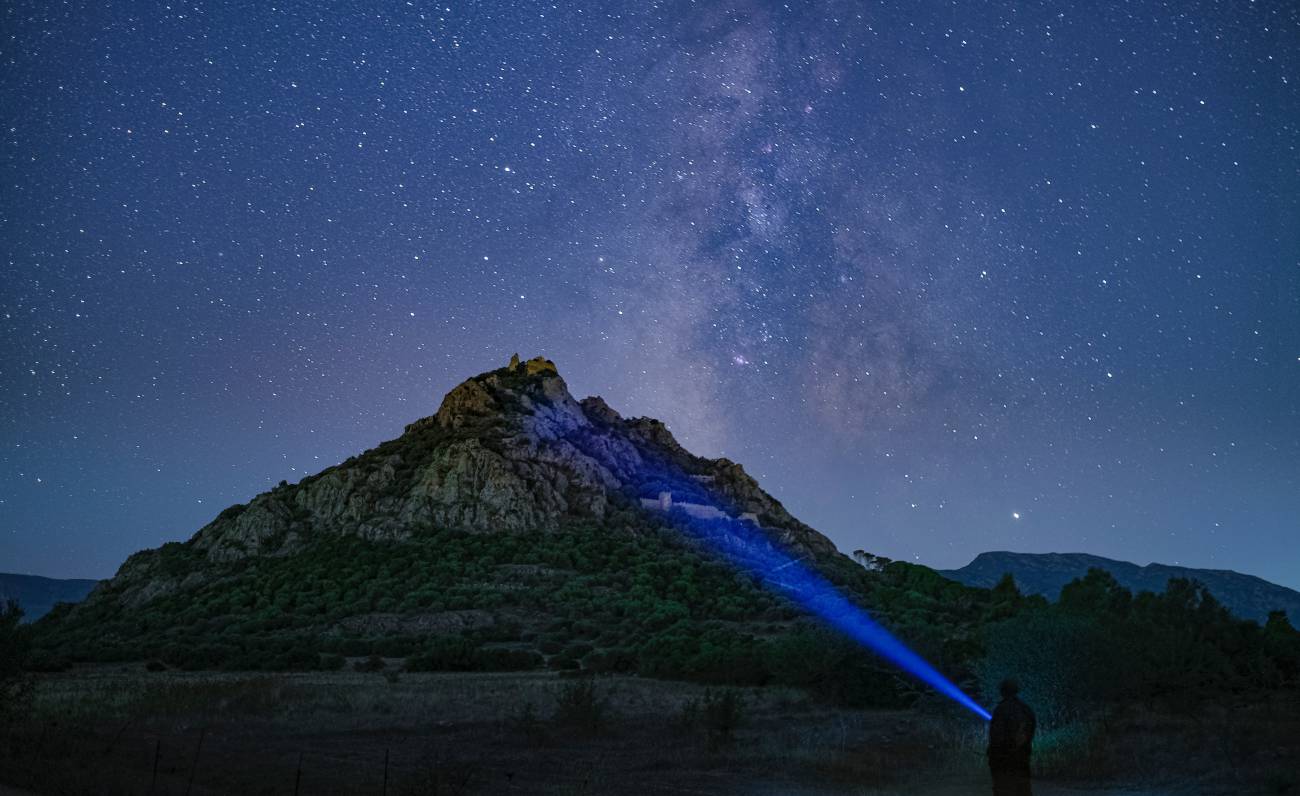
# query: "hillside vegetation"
[[578, 598]]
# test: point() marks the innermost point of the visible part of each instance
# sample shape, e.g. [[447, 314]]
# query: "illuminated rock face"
[[507, 451], [700, 511], [533, 367], [540, 365]]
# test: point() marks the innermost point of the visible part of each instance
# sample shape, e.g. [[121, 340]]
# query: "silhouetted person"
[[1011, 738]]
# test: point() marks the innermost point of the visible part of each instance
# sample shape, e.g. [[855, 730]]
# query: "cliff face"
[[507, 451], [1246, 596]]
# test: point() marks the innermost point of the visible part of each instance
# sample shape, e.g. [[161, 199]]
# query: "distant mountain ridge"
[[37, 595], [1245, 596]]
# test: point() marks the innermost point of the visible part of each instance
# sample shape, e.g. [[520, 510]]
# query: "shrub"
[[353, 647], [577, 650], [297, 659], [446, 654], [1282, 781], [397, 647], [615, 660], [1058, 659], [718, 713], [508, 660], [527, 722], [46, 661], [579, 704], [563, 663], [372, 664]]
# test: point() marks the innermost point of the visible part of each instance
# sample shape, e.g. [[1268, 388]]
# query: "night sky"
[[946, 278]]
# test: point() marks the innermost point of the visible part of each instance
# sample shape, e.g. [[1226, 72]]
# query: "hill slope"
[[37, 595], [1245, 596]]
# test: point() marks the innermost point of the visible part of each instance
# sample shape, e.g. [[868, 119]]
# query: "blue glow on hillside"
[[788, 575]]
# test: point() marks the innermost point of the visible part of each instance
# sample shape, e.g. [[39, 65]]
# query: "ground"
[[514, 733]]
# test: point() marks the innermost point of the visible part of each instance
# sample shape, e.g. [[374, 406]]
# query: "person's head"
[[1009, 688]]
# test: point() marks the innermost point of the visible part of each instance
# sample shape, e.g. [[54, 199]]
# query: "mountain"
[[1245, 596], [507, 451], [515, 525], [38, 595]]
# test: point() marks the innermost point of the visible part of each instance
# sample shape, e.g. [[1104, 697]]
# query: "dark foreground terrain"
[[104, 730]]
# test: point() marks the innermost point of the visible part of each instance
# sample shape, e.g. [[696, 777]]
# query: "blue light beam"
[[786, 574]]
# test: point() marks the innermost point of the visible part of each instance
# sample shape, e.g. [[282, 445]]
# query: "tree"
[[1095, 593], [1283, 643], [1006, 588], [14, 644], [1064, 661]]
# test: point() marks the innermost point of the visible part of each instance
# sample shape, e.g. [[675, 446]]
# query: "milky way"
[[945, 278]]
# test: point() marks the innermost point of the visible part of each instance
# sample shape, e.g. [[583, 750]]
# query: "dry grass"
[[510, 733]]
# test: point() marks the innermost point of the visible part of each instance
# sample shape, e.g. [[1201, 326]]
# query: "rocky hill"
[[514, 526], [1245, 596], [38, 595], [508, 451]]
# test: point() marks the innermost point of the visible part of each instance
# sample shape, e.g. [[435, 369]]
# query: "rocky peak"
[[529, 396], [540, 365]]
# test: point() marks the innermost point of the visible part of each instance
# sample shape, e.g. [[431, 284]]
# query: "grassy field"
[[123, 730]]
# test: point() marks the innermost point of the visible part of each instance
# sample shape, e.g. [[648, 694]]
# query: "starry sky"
[[946, 277]]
